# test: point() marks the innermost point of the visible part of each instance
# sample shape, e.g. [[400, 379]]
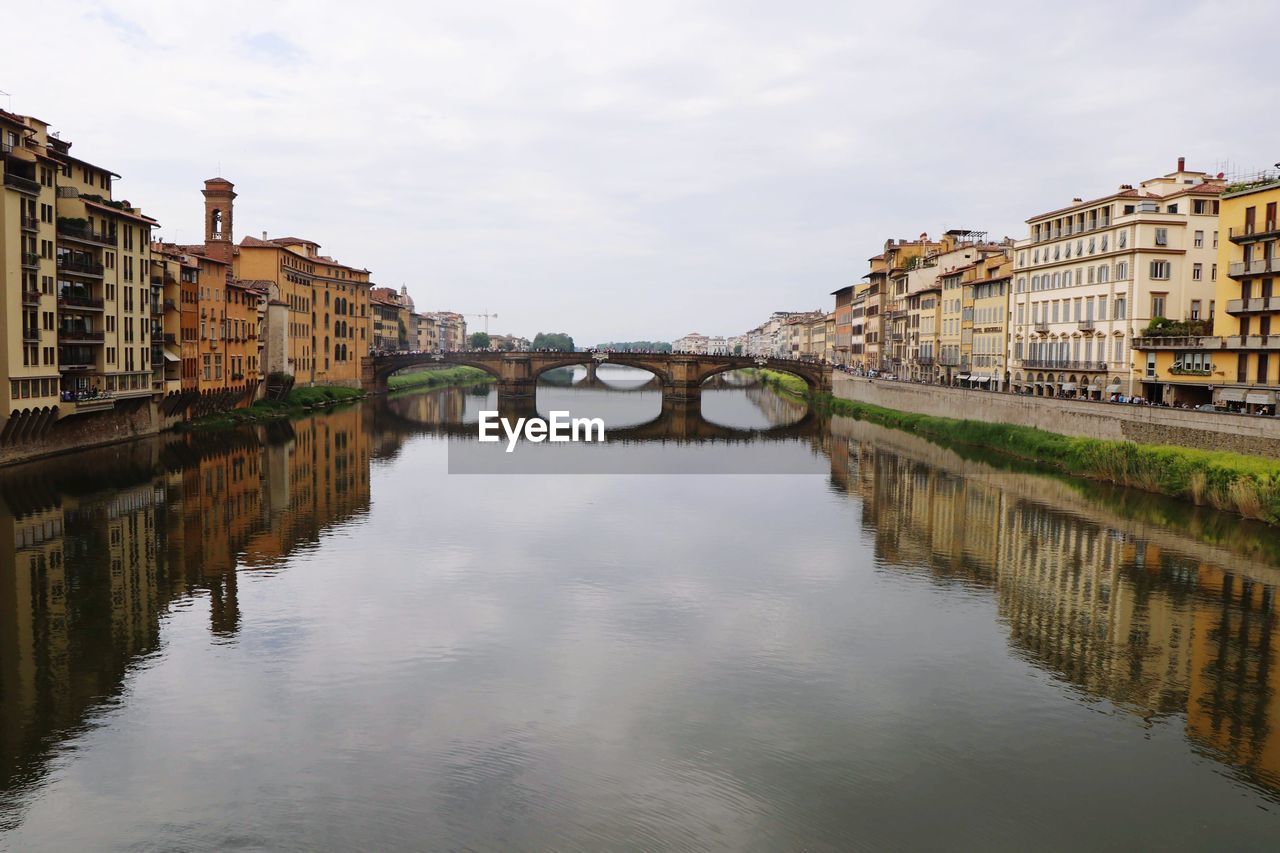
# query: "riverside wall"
[[1250, 434]]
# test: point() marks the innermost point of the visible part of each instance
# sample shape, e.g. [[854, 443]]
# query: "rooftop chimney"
[[1182, 163], [1077, 201], [264, 236]]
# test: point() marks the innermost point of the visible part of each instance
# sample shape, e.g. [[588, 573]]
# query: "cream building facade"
[[1090, 277]]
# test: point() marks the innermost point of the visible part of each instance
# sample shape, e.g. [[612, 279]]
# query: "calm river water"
[[312, 636]]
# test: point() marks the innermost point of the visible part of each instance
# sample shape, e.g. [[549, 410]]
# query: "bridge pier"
[[512, 389]]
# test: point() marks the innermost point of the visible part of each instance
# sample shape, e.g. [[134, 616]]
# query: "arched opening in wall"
[[423, 375], [751, 400], [623, 396]]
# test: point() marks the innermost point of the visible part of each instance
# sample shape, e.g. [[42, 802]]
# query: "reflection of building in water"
[[1097, 601], [83, 584]]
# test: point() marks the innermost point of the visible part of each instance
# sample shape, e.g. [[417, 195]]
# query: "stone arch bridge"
[[681, 375]]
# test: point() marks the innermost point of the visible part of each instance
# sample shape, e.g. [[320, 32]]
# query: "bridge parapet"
[[681, 374]]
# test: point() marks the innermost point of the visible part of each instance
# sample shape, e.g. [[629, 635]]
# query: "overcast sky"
[[638, 170]]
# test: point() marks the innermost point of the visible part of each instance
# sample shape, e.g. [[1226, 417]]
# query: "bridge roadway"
[[681, 374]]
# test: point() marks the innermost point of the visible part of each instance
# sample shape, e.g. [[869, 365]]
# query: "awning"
[[1231, 395], [963, 376], [1092, 389], [1068, 386], [168, 356], [1260, 398], [983, 379], [1113, 389]]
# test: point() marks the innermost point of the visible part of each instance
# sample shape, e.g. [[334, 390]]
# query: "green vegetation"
[[789, 385], [558, 341], [480, 340], [636, 346], [437, 378], [299, 401], [1248, 485], [1162, 327]]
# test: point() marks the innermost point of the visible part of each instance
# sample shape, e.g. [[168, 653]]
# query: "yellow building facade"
[[1237, 367]]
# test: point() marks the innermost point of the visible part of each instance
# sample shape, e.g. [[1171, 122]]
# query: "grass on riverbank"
[[299, 401], [1247, 485], [437, 378]]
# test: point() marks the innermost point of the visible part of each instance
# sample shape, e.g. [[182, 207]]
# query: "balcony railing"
[[1062, 364], [76, 231], [1191, 371], [1250, 306], [1042, 328], [79, 266], [73, 300], [170, 338], [31, 297], [1240, 269], [29, 223], [30, 333], [1255, 230], [1085, 325], [20, 183], [30, 259], [70, 335], [1267, 342], [170, 305]]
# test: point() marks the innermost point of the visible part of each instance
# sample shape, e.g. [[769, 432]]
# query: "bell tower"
[[219, 194]]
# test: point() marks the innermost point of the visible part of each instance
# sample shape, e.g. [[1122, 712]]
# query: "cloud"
[[638, 170]]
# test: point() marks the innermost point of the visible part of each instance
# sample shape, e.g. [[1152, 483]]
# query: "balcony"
[[1184, 342], [1253, 306], [79, 266], [30, 334], [170, 338], [1250, 342], [22, 184], [1254, 231], [79, 301], [72, 230], [73, 335], [31, 298], [1063, 364], [170, 305], [30, 260], [28, 223], [1178, 370], [924, 360], [156, 281], [1085, 325], [1042, 328], [1240, 269], [948, 361]]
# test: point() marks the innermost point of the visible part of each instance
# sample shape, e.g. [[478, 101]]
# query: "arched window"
[[215, 223]]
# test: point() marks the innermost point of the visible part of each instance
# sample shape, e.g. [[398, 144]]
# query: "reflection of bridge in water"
[[677, 421]]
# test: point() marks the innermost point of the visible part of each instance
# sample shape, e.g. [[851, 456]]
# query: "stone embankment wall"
[[1144, 424]]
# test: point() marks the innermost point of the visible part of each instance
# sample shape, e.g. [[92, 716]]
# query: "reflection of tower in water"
[[85, 579]]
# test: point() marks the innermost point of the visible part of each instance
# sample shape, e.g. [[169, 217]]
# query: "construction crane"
[[486, 317]]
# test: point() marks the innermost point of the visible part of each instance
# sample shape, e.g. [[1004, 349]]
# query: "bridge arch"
[[620, 359], [811, 377]]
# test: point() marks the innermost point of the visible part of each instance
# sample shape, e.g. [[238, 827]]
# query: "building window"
[[1157, 304], [1198, 241], [1118, 303], [1195, 309], [1160, 270], [1197, 272], [1162, 236]]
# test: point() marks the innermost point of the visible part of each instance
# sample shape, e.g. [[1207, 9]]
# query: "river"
[[740, 627]]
